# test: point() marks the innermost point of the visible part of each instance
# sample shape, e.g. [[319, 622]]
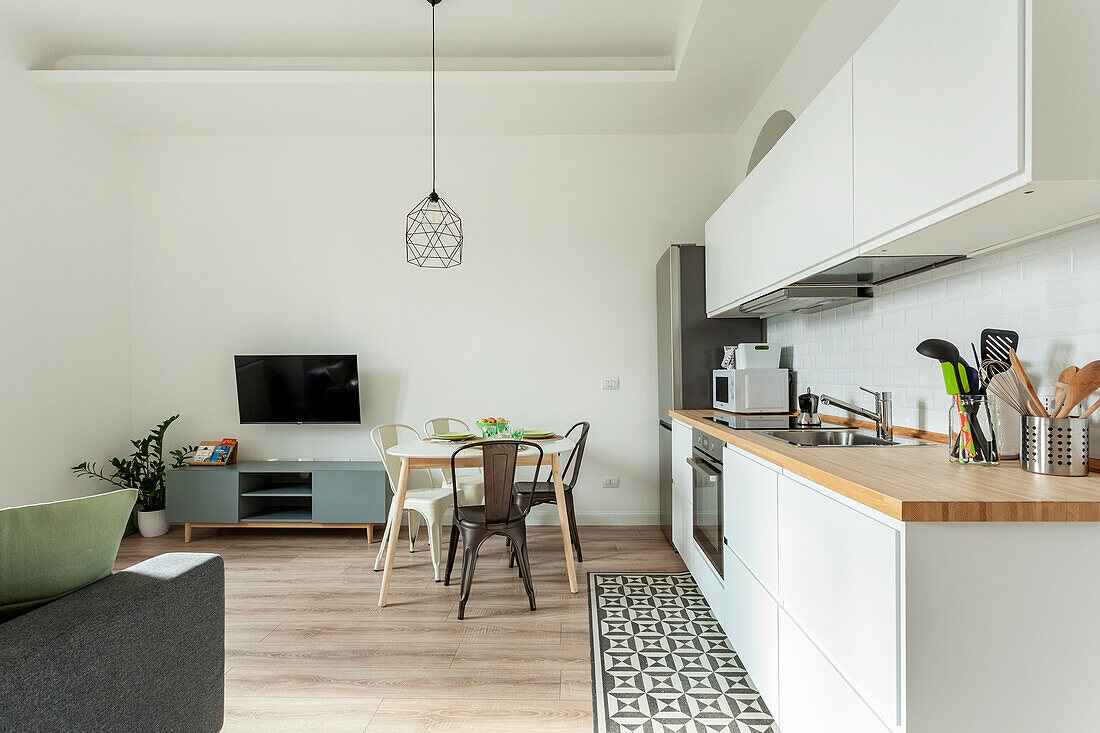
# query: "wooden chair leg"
[[572, 514], [451, 547]]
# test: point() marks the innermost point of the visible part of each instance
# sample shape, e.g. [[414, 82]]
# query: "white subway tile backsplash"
[[964, 284], [1043, 267], [1000, 277], [1046, 289], [1079, 288], [918, 315], [1086, 258]]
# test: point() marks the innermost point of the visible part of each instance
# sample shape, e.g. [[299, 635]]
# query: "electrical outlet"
[[610, 383], [611, 482]]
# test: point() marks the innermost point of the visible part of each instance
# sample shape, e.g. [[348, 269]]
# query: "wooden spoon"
[[1088, 413], [1035, 405], [1060, 387], [1084, 382]]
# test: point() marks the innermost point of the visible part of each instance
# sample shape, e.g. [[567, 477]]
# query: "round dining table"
[[417, 454]]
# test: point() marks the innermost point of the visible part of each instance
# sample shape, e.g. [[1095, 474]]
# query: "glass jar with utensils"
[[972, 434]]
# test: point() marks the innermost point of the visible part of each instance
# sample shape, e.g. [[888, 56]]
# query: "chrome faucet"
[[883, 416]]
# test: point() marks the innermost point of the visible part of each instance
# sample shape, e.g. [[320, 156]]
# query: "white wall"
[[1045, 290], [64, 303], [285, 245]]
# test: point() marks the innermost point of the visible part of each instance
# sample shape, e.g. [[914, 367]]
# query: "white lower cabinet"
[[710, 584], [814, 696], [681, 451], [751, 623], [681, 493], [750, 514], [839, 578], [810, 599], [681, 527]]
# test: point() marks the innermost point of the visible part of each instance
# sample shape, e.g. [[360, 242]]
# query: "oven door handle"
[[700, 467]]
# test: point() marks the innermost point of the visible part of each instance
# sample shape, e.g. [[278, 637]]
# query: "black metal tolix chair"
[[542, 492], [504, 513]]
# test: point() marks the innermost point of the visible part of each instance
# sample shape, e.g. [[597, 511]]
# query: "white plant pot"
[[152, 524]]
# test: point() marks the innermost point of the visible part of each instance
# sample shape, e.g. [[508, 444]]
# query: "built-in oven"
[[706, 494]]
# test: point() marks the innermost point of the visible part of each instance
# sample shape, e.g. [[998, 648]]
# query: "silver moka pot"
[[807, 411]]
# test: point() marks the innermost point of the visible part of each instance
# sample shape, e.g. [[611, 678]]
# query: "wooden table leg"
[[186, 532], [396, 508], [563, 519], [370, 534]]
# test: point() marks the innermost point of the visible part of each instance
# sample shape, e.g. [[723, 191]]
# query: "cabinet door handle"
[[703, 469]]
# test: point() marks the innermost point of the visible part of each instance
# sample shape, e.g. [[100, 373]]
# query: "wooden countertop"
[[916, 483]]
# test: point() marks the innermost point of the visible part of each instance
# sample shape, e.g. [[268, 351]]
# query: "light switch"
[[610, 383], [611, 482]]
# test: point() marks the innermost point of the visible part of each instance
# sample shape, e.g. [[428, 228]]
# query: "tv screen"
[[298, 389]]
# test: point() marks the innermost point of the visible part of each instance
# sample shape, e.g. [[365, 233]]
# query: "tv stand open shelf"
[[279, 495]]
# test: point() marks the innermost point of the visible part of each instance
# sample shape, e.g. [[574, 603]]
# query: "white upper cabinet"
[[956, 127], [938, 109], [794, 211]]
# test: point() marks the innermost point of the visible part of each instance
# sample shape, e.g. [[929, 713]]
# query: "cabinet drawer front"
[[815, 697], [751, 515], [938, 100], [708, 581], [751, 623], [202, 495], [349, 496], [839, 578]]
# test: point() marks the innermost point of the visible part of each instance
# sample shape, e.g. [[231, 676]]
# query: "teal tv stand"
[[279, 494]]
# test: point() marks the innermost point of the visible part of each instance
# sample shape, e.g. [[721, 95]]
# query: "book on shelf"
[[203, 454], [210, 453]]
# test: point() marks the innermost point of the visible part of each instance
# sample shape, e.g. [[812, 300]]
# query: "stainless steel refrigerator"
[[689, 347]]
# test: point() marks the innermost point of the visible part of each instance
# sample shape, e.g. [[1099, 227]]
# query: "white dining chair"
[[424, 498], [471, 482]]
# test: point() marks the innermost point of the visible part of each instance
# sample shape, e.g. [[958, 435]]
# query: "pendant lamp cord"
[[433, 98]]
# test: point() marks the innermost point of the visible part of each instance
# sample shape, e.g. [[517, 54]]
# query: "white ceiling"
[[339, 67]]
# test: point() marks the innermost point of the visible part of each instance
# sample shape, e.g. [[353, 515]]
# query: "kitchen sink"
[[826, 437]]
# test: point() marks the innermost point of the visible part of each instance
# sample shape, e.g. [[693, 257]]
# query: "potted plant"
[[144, 470]]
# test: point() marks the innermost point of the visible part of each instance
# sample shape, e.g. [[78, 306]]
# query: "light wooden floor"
[[307, 647]]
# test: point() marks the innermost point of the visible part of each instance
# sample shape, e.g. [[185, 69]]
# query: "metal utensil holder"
[[1055, 446]]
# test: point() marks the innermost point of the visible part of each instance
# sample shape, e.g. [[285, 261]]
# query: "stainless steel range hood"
[[805, 299], [845, 283]]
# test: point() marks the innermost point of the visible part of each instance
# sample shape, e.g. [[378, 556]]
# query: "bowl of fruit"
[[493, 427]]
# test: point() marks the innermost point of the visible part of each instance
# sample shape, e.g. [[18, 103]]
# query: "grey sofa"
[[143, 649]]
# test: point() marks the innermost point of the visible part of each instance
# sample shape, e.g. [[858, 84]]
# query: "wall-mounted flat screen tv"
[[298, 389]]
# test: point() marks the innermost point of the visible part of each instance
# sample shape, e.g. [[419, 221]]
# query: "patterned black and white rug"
[[662, 664]]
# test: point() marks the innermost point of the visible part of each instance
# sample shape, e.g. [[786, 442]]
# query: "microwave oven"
[[751, 390]]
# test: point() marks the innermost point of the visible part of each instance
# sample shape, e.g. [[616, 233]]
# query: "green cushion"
[[50, 550]]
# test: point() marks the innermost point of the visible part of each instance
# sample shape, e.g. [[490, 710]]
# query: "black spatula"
[[996, 343]]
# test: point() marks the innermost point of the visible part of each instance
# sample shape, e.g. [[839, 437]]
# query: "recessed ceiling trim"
[[683, 33], [48, 77], [313, 63]]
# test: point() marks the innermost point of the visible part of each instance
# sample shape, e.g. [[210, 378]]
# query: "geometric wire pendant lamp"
[[433, 231]]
